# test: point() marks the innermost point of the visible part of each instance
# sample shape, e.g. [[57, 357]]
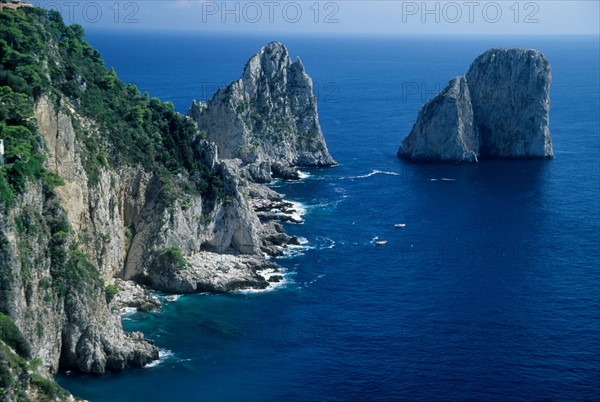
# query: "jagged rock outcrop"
[[127, 199], [209, 272], [268, 118], [67, 325], [130, 295], [275, 240], [129, 229], [510, 93], [444, 130], [498, 110], [93, 340]]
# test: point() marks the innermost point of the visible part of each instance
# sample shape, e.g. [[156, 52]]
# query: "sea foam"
[[163, 355]]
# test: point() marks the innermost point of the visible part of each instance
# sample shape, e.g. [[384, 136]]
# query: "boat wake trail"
[[373, 173]]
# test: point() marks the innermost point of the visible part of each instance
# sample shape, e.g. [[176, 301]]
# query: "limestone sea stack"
[[268, 118], [498, 110], [444, 130]]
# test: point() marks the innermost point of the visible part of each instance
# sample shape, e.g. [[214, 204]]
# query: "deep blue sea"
[[490, 292]]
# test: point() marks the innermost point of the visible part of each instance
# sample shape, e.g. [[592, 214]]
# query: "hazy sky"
[[342, 17]]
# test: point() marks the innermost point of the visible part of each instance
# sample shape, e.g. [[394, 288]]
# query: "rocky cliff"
[[444, 130], [268, 118], [132, 233], [101, 182], [498, 110], [54, 290]]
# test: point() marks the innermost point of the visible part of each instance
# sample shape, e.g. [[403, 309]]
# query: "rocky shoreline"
[[107, 227], [262, 126], [130, 295], [219, 272]]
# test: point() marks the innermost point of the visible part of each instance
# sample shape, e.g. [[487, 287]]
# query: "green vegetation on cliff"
[[11, 336], [18, 376], [23, 48], [40, 55], [41, 256]]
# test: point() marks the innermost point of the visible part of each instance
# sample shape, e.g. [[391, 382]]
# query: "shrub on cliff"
[[40, 55], [10, 335]]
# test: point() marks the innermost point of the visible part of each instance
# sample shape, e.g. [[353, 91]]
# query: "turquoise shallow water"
[[491, 291]]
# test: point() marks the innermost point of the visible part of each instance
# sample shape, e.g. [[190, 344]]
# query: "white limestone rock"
[[268, 115], [510, 93], [498, 110], [444, 129]]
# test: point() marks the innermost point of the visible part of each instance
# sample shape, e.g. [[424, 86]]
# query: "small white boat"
[[400, 225], [381, 242]]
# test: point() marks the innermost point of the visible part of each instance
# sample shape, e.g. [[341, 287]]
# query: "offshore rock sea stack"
[[444, 129], [268, 118], [498, 110]]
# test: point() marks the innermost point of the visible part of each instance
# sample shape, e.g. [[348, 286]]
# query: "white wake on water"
[[300, 209], [172, 298], [324, 243], [373, 173], [320, 243], [127, 311], [292, 250], [167, 298]]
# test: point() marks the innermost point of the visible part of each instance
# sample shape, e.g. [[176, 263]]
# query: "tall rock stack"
[[498, 110], [444, 130], [268, 118]]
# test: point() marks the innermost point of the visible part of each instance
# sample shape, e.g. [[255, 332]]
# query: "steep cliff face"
[[499, 110], [444, 130], [96, 214], [58, 301], [55, 254], [268, 118], [132, 234], [510, 93]]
